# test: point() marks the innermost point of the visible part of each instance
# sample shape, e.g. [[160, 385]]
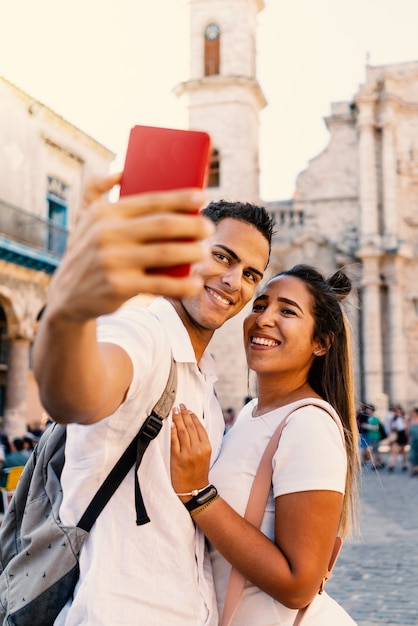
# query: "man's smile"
[[219, 297]]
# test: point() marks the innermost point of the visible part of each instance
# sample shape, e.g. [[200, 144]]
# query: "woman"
[[399, 429], [297, 341]]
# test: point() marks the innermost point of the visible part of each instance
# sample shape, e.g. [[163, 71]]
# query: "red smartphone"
[[160, 159]]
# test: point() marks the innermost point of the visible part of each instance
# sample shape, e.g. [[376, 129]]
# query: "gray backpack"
[[38, 555]]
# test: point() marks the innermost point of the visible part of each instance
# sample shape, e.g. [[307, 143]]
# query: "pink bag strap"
[[254, 514]]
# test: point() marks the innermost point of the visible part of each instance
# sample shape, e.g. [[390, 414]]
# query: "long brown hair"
[[331, 375]]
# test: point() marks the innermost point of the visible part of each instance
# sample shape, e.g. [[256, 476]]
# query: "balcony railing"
[[31, 230], [289, 223]]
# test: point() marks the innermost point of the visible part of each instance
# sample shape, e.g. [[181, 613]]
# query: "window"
[[214, 179], [212, 49], [57, 213]]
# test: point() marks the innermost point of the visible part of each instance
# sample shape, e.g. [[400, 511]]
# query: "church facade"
[[355, 206]]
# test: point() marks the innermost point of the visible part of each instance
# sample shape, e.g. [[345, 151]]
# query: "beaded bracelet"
[[194, 492], [204, 506]]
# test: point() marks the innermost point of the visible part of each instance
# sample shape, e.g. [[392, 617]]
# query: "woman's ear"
[[323, 345]]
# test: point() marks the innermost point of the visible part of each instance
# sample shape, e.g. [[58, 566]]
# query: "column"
[[389, 178], [371, 331], [16, 406], [367, 175], [397, 350]]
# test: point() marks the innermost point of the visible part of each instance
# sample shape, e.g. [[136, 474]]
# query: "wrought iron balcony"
[[27, 239]]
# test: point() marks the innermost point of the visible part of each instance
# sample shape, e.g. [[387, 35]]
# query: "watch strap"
[[205, 496]]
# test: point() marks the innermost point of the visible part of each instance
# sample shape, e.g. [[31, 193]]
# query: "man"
[[374, 437], [363, 429], [103, 377]]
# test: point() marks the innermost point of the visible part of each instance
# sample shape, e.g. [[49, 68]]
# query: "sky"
[[106, 65]]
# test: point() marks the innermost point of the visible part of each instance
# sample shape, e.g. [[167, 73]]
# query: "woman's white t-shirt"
[[311, 455]]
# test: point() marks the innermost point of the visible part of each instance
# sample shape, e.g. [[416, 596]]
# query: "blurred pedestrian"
[[374, 436], [16, 458], [413, 441], [29, 443], [2, 454], [363, 429], [399, 429], [387, 421]]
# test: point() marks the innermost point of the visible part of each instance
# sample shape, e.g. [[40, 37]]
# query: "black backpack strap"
[[149, 430], [133, 455]]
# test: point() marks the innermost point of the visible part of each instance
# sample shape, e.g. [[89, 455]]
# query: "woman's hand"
[[190, 452]]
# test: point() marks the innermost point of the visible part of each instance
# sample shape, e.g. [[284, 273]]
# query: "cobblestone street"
[[375, 578]]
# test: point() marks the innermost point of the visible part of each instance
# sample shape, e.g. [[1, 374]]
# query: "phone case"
[[160, 159]]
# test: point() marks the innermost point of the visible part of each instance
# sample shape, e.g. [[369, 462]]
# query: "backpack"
[[39, 556]]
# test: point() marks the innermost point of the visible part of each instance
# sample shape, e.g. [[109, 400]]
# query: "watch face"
[[212, 32]]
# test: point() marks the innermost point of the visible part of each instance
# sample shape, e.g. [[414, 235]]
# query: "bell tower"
[[222, 94], [223, 97]]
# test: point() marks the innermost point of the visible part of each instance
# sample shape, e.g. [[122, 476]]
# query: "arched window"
[[214, 179], [212, 49]]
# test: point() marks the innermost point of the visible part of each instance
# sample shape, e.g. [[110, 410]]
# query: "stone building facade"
[[355, 206], [44, 161], [361, 196]]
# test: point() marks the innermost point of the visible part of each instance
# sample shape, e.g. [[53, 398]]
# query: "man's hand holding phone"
[[115, 247], [160, 159]]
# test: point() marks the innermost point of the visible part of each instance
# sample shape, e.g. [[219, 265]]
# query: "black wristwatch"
[[202, 498]]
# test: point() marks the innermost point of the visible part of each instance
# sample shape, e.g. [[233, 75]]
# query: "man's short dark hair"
[[248, 212]]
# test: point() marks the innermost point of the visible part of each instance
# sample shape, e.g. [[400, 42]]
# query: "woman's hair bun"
[[340, 284]]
